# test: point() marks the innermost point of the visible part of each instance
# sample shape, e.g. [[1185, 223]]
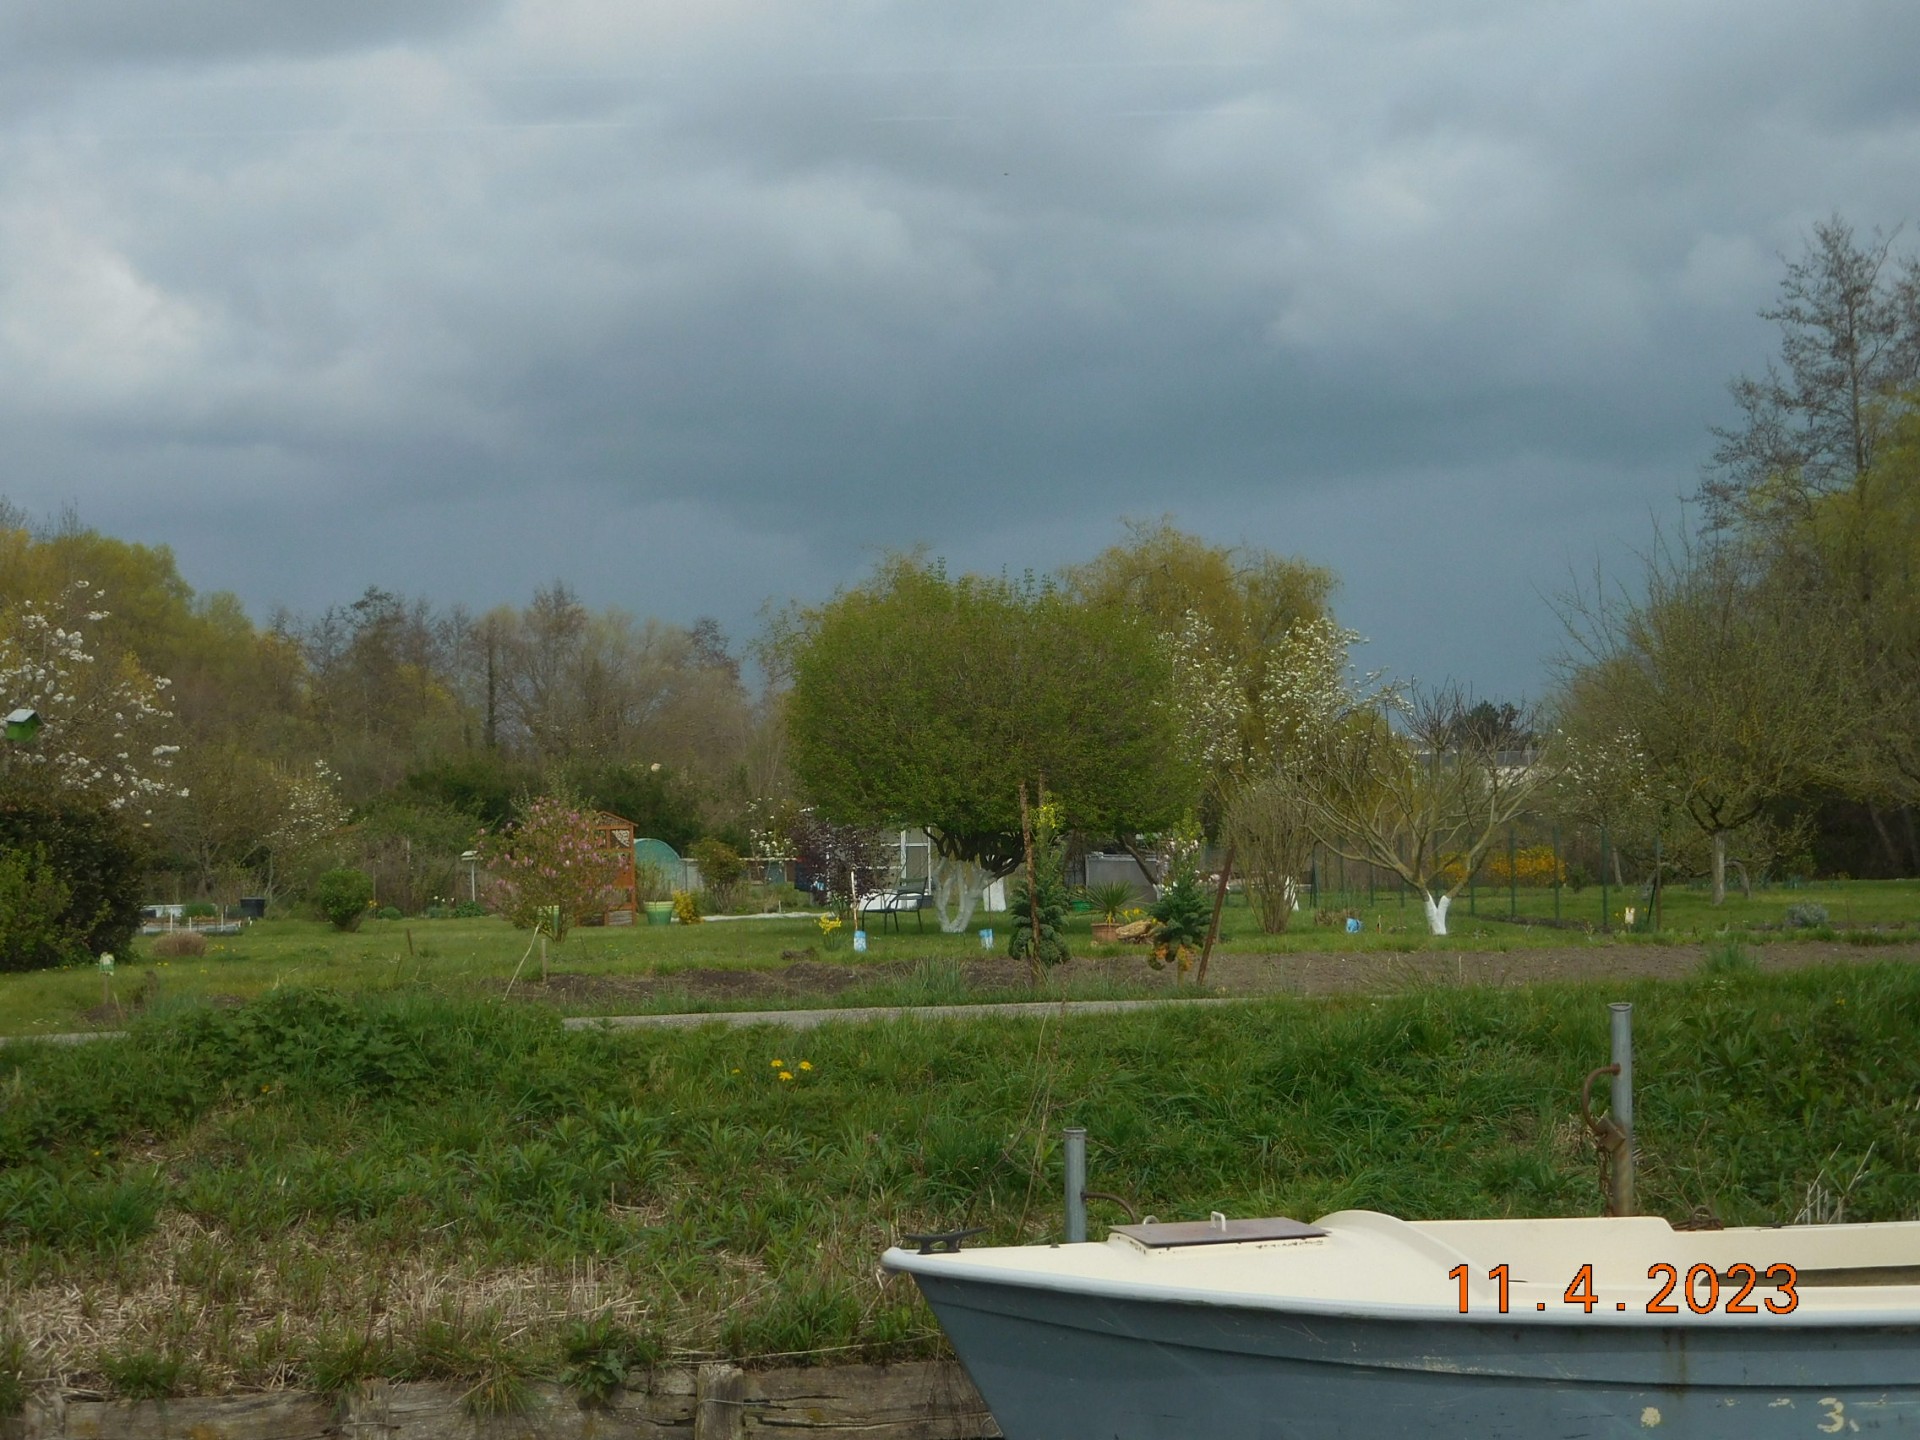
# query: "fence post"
[[1513, 876], [1076, 1167], [1606, 922], [1621, 1016], [1659, 882], [1556, 869]]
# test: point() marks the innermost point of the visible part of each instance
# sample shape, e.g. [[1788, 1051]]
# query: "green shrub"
[[33, 907], [69, 884], [721, 869], [389, 912], [1806, 915], [342, 896], [198, 910]]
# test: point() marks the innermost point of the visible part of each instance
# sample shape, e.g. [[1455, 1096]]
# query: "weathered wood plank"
[[662, 1410], [920, 1400], [923, 1400], [279, 1415], [720, 1395]]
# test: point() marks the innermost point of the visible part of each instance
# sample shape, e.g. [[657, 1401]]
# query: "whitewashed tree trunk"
[[956, 891], [1437, 913], [1720, 867]]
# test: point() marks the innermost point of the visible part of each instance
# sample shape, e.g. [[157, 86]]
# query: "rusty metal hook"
[[1602, 1127]]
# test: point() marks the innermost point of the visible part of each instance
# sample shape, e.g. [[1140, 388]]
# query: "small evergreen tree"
[[1182, 914], [1047, 899]]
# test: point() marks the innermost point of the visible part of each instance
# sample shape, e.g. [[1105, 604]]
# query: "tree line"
[[1752, 696]]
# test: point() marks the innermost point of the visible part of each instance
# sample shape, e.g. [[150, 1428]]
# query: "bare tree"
[[1849, 318], [1407, 780]]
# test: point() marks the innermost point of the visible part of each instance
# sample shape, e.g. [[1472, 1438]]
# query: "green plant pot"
[[659, 912]]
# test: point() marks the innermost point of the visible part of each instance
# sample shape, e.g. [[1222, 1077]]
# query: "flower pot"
[[659, 912], [1106, 932]]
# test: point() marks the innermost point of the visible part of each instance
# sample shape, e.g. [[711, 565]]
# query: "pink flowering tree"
[[550, 868]]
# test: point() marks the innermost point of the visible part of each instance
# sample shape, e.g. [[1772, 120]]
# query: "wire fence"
[[1537, 871]]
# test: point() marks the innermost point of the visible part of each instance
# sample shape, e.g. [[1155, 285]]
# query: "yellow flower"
[[736, 1069], [786, 1075], [777, 1064], [808, 1064]]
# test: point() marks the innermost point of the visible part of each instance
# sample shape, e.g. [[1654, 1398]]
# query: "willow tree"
[[920, 699], [1235, 622]]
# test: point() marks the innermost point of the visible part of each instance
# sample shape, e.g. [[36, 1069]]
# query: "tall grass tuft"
[[1729, 957]]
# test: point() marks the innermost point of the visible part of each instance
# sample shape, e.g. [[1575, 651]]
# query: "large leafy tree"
[[1734, 689], [922, 699], [1230, 617]]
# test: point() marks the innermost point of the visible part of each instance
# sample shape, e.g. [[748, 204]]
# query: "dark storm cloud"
[[697, 305], [62, 32]]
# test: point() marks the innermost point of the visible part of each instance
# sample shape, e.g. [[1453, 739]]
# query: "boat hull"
[[1056, 1365]]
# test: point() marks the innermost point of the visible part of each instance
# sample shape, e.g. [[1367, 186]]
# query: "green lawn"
[[458, 958], [317, 1189]]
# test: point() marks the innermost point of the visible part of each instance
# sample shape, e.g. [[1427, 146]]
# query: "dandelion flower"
[[786, 1075], [806, 1064], [778, 1064]]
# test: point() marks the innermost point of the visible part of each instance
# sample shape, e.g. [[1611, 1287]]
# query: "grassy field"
[[314, 1189], [476, 958]]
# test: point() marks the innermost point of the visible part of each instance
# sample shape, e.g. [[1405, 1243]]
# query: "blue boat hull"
[[1054, 1365]]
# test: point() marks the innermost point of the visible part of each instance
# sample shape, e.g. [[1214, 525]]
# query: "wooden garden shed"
[[617, 835]]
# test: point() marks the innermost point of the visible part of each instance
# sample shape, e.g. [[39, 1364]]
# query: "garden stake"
[[1033, 889], [1213, 930]]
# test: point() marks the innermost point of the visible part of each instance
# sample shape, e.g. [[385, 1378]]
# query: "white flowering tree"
[[103, 740], [1242, 719]]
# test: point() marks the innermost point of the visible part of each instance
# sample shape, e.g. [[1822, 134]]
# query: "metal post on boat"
[[1076, 1151], [1622, 1106]]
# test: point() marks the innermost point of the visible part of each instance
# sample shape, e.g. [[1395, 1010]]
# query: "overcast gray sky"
[[698, 304]]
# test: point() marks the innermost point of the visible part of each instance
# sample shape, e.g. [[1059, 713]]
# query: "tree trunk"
[[1719, 867], [1213, 930], [1437, 913]]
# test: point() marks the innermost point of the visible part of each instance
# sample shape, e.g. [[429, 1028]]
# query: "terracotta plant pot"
[[1106, 932]]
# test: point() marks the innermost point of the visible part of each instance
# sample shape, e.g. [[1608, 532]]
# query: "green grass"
[[475, 958], [420, 1186]]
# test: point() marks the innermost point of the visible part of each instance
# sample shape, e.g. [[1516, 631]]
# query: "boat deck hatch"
[[1164, 1236]]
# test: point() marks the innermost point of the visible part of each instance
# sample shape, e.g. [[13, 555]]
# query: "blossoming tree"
[[104, 717], [551, 868]]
